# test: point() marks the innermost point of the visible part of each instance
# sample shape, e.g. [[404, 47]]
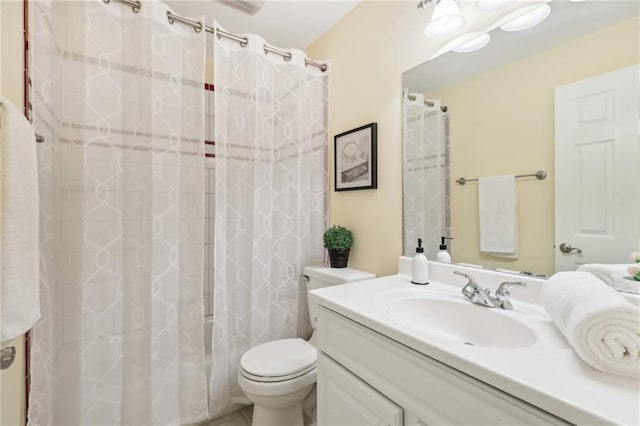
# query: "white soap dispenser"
[[443, 255], [420, 266]]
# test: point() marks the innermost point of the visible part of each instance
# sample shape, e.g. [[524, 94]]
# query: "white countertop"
[[547, 374]]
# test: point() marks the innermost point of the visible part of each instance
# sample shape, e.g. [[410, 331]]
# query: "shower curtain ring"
[[133, 4]]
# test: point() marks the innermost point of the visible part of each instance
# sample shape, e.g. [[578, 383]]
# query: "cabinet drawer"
[[436, 393]]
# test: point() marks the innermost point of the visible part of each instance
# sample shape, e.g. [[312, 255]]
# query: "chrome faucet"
[[503, 295], [476, 294]]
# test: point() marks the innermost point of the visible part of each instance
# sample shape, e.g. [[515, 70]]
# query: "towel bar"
[[540, 175]]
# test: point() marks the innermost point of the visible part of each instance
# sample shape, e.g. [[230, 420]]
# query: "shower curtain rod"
[[199, 26], [443, 108]]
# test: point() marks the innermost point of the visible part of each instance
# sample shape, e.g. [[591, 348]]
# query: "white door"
[[597, 169], [345, 400]]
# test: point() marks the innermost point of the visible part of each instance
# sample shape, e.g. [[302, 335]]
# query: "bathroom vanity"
[[393, 353]]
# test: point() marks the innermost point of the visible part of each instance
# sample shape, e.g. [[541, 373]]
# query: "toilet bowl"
[[277, 376]]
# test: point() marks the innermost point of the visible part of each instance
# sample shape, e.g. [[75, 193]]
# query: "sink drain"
[[469, 343]]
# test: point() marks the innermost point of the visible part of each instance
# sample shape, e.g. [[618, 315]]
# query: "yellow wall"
[[502, 122], [11, 86], [11, 81], [370, 49]]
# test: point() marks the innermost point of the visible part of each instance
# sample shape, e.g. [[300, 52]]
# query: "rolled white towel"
[[602, 327], [611, 274]]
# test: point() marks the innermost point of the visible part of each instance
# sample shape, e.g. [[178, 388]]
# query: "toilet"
[[276, 376]]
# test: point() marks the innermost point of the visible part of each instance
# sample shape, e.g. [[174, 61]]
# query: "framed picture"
[[355, 158]]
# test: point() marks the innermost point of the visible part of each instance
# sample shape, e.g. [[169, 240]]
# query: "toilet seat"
[[270, 379], [278, 360]]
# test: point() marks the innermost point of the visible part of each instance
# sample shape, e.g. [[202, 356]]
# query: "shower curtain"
[[119, 98], [271, 200], [425, 174]]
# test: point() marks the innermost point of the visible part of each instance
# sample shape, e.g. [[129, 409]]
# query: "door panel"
[[597, 152]]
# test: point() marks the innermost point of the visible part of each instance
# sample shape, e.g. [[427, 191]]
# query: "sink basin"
[[461, 321]]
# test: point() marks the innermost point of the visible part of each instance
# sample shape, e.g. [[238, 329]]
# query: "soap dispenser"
[[420, 266], [443, 255]]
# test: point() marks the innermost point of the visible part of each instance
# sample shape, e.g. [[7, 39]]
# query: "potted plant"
[[338, 240]]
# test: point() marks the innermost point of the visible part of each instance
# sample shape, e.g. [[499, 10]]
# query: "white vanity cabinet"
[[365, 378], [351, 401]]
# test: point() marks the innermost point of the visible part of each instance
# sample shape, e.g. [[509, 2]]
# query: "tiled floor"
[[243, 417], [240, 417]]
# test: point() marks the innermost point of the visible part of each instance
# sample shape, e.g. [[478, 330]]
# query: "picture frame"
[[355, 158]]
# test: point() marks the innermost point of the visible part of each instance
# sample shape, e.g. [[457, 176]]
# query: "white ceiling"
[[284, 24]]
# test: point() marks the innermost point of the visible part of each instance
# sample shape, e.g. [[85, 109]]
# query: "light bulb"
[[528, 20], [446, 20], [492, 4], [474, 44]]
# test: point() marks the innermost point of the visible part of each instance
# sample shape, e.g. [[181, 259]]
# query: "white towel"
[[498, 207], [613, 275], [19, 212], [602, 327]]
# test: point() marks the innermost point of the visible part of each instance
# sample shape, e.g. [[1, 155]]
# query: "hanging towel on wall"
[[19, 209], [498, 210], [602, 327]]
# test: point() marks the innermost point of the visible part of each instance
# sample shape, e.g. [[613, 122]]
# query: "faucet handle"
[[467, 276], [503, 289], [470, 288]]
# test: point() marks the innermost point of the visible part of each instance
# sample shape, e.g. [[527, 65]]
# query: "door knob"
[[566, 248]]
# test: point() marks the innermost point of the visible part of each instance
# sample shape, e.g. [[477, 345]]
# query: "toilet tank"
[[323, 276]]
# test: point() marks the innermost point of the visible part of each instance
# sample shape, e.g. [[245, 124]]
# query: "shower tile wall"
[[210, 186]]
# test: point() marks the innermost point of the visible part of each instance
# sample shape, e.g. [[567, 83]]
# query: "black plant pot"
[[338, 258]]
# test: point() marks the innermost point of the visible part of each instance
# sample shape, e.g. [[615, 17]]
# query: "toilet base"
[[280, 410], [291, 416]]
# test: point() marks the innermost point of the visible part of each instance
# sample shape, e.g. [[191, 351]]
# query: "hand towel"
[[601, 326], [19, 217], [613, 275], [498, 209]]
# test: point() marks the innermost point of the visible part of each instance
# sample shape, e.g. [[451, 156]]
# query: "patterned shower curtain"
[[271, 200], [425, 174], [119, 98]]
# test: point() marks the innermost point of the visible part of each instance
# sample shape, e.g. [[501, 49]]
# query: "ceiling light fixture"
[[528, 20], [445, 21], [422, 4], [492, 4], [249, 7], [474, 44]]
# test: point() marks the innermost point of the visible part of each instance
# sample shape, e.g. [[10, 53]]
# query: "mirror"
[[493, 112]]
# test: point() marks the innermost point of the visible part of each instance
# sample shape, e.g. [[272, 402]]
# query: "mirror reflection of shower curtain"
[[425, 174], [119, 98], [271, 200]]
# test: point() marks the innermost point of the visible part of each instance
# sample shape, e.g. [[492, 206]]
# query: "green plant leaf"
[[337, 237]]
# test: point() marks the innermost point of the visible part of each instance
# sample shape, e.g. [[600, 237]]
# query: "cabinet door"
[[345, 400]]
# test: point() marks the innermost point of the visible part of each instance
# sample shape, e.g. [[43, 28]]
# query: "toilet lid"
[[279, 358]]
